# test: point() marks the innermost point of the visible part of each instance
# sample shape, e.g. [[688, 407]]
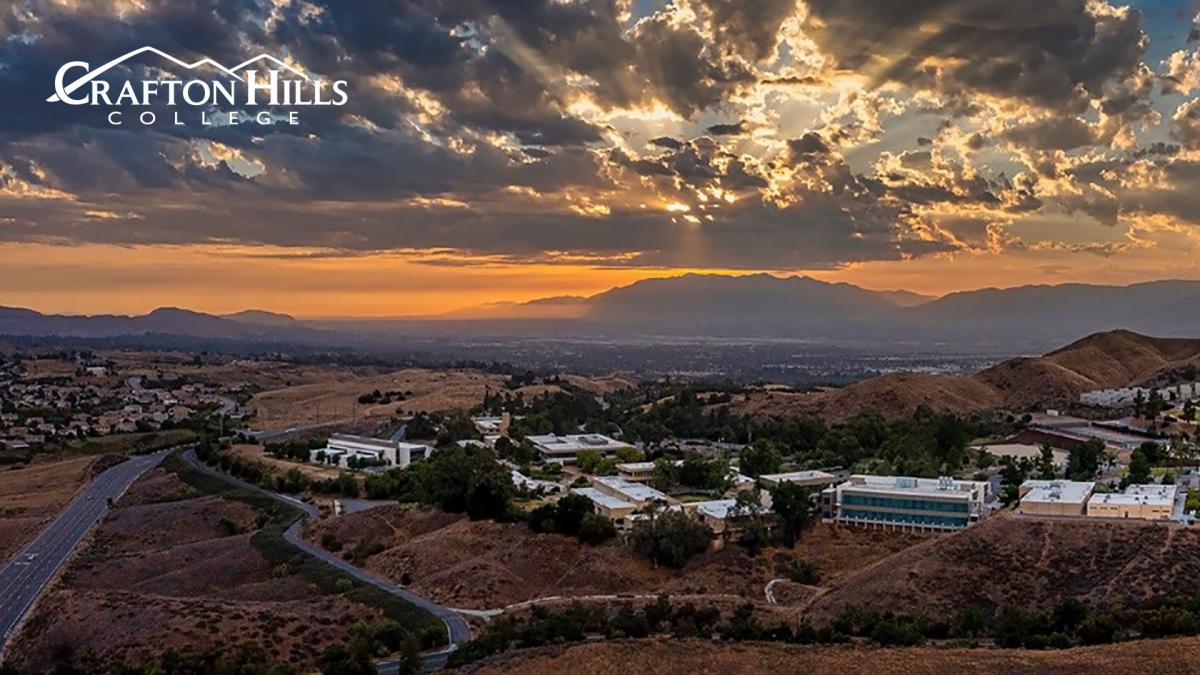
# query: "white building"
[[634, 493], [490, 425], [1143, 502], [1112, 398], [565, 449], [341, 447], [637, 472], [541, 487], [903, 501], [801, 478], [1054, 497]]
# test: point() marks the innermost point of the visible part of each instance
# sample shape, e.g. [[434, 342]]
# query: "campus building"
[[801, 478], [1054, 497], [566, 449], [636, 472], [903, 501], [1143, 502], [340, 448]]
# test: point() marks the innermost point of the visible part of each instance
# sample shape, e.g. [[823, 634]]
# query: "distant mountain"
[[558, 307], [1017, 320], [162, 321], [747, 306], [260, 317], [1062, 312]]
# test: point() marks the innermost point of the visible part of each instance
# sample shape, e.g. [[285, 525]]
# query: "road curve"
[[26, 575], [457, 629]]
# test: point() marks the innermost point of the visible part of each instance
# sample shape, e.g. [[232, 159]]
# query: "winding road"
[[30, 571], [457, 629]]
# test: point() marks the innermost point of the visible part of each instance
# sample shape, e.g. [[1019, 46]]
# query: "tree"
[[748, 512], [793, 505], [1046, 468], [596, 529], [670, 538], [1084, 459], [1011, 477], [1139, 468], [759, 459], [1189, 410]]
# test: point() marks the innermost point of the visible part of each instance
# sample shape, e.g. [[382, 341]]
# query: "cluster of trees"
[[376, 397], [573, 516], [670, 538], [458, 480], [297, 450], [575, 623], [694, 472]]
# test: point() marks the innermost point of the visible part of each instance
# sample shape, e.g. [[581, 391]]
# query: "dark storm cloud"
[[464, 128], [1053, 53]]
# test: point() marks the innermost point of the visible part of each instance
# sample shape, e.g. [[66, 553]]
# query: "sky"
[[491, 150]]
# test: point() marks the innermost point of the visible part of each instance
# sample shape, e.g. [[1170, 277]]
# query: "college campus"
[[599, 336]]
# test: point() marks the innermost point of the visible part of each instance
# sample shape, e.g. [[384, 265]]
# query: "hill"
[[1102, 361], [705, 656], [1009, 560]]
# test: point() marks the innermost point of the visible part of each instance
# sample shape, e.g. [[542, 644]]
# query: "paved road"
[[457, 628], [26, 575]]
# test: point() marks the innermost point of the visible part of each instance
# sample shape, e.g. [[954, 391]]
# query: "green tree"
[[1139, 468], [793, 505], [670, 538], [1084, 460], [1046, 468], [759, 459]]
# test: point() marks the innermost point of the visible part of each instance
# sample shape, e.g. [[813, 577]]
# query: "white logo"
[[261, 81]]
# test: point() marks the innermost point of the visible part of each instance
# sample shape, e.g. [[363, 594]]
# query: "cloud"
[[767, 134]]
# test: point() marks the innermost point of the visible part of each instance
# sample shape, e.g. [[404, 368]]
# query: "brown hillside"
[[1105, 360], [1028, 562], [702, 656]]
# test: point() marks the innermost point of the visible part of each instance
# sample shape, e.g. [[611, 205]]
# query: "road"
[[26, 575], [457, 629]]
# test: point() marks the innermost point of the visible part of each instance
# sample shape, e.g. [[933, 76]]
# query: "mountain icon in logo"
[[65, 90]]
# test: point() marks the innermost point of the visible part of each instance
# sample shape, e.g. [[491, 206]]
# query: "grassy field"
[[131, 444], [269, 542]]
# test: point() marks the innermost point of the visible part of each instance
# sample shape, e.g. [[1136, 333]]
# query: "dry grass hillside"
[[701, 656], [1007, 560], [484, 565], [336, 398], [1101, 361], [31, 496], [166, 569]]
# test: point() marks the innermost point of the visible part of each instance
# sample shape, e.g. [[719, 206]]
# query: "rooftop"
[[1159, 495], [603, 499], [573, 443], [797, 476], [1057, 491], [636, 492], [909, 485]]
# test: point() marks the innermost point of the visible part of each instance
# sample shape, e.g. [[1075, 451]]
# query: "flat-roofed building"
[[636, 472], [341, 448], [1054, 497], [614, 508], [636, 493], [1144, 502], [492, 425], [801, 478], [904, 501], [566, 449]]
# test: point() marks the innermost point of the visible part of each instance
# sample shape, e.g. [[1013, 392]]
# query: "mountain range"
[[707, 305]]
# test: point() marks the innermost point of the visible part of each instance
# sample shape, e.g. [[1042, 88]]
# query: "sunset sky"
[[494, 150]]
